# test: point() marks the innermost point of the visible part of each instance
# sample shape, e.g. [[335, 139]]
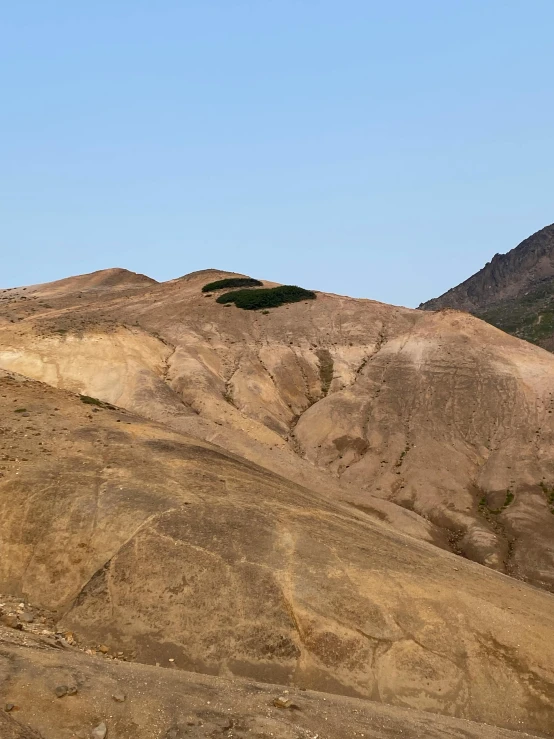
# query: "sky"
[[380, 149]]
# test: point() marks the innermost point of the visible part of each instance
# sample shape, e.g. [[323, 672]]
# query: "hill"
[[515, 291], [436, 423], [326, 495], [168, 551]]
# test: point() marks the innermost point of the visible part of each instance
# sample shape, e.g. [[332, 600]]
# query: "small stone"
[[104, 649], [72, 690], [10, 620], [171, 659], [281, 702], [118, 697], [9, 707], [27, 617], [61, 690], [99, 732]]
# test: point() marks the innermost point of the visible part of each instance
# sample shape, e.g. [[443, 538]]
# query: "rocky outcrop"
[[505, 277]]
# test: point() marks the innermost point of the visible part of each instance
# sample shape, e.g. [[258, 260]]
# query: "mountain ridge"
[[514, 292], [506, 276]]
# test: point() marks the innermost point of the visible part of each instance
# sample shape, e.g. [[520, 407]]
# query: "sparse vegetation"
[[402, 455], [529, 317], [271, 297], [231, 282], [325, 369], [90, 401], [549, 495], [484, 506]]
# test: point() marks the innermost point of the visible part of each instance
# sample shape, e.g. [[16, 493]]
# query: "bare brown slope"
[[154, 703], [160, 545], [101, 280], [440, 413]]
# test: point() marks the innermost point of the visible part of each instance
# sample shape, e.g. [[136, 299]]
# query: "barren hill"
[[280, 495], [436, 423], [170, 551], [515, 291]]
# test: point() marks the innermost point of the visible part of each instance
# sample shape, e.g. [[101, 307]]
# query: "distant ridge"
[[514, 291]]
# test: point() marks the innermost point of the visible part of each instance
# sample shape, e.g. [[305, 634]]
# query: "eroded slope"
[[153, 703], [165, 547], [435, 422]]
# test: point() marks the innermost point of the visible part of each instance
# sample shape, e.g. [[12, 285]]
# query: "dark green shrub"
[[269, 297], [231, 282], [90, 401]]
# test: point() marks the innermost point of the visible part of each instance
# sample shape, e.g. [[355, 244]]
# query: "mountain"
[[515, 291], [327, 494]]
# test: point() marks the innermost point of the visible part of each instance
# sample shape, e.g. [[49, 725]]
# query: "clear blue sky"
[[378, 149]]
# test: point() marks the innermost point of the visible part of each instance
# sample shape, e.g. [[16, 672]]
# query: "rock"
[[27, 617], [72, 690], [61, 690], [9, 707], [118, 697], [282, 702], [10, 620], [104, 649], [51, 641], [99, 732]]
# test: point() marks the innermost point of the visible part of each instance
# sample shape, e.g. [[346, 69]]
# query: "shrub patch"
[[269, 297], [231, 282]]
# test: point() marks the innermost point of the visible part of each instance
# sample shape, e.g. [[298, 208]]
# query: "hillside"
[[136, 701], [171, 552], [302, 496], [436, 423], [515, 291]]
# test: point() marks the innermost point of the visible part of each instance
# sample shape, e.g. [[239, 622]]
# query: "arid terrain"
[[334, 495]]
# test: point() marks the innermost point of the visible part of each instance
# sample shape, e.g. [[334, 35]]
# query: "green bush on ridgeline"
[[269, 297], [232, 282], [87, 400]]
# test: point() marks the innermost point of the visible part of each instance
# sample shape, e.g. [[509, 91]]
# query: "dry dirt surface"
[[436, 424], [140, 702], [151, 546]]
